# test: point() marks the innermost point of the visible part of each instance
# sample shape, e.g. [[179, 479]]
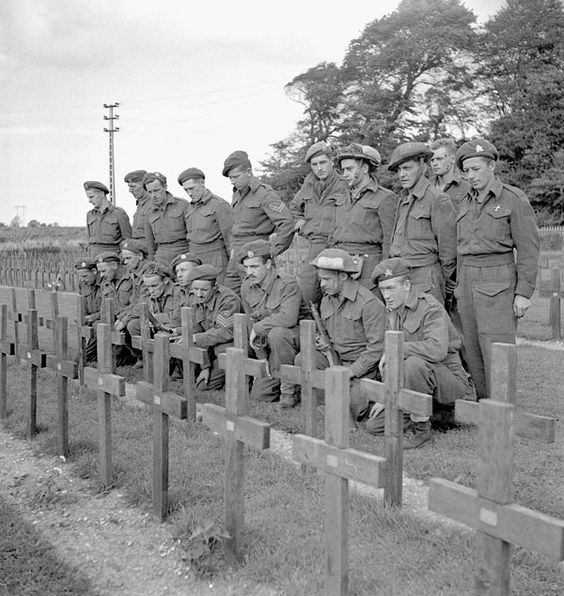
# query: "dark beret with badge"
[[186, 257], [154, 268], [321, 148], [95, 185], [205, 272], [108, 257], [390, 268], [237, 159], [86, 263], [476, 148], [136, 246], [151, 177], [190, 174], [256, 248], [335, 259], [406, 152], [135, 176]]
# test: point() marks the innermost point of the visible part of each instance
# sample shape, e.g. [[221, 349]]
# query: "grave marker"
[[7, 348]]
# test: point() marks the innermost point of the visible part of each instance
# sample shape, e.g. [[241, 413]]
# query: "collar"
[[371, 184], [420, 187], [350, 290], [267, 283], [169, 201], [206, 197], [495, 189]]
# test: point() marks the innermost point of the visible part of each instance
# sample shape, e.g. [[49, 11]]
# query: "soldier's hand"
[[450, 285], [320, 344], [520, 306], [299, 225], [382, 366], [252, 338], [203, 377], [119, 325]]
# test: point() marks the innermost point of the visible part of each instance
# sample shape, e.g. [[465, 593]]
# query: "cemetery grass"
[[390, 551], [535, 324]]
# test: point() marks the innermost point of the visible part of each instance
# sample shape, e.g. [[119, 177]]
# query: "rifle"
[[330, 351], [156, 324]]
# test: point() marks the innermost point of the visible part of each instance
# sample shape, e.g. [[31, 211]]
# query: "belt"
[[205, 247], [488, 260], [179, 241]]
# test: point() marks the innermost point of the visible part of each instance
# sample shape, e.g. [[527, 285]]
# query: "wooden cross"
[[239, 430], [64, 369], [16, 321], [490, 510], [7, 348], [37, 359], [107, 383], [164, 404], [396, 401], [340, 464]]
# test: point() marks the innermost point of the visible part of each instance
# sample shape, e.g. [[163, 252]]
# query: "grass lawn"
[[391, 552], [535, 324]]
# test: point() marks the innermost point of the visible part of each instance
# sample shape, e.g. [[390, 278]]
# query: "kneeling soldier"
[[89, 289], [431, 350]]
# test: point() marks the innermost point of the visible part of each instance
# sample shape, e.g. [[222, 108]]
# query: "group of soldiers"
[[451, 261]]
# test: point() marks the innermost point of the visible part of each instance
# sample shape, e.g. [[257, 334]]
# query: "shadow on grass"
[[29, 563]]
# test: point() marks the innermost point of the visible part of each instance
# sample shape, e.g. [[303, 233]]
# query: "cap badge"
[[497, 208], [388, 272], [250, 254], [83, 264], [479, 148]]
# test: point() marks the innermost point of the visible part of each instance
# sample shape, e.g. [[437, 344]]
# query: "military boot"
[[287, 400], [417, 435]]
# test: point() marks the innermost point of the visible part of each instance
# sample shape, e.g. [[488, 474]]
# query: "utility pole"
[[21, 218], [111, 130]]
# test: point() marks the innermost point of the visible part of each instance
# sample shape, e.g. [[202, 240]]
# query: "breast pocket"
[[351, 329], [419, 224], [175, 222], [251, 213], [496, 222]]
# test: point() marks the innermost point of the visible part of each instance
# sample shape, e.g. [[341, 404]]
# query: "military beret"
[[321, 148], [256, 248], [335, 259], [235, 160], [108, 257], [206, 272], [154, 268], [364, 152], [476, 148], [407, 151], [96, 185], [136, 246], [189, 174], [152, 176], [185, 258], [390, 268], [86, 263], [135, 176]]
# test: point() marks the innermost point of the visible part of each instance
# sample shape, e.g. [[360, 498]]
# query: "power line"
[[111, 131]]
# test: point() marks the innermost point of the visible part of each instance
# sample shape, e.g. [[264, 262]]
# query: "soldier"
[[447, 177], [213, 306], [425, 231], [208, 223], [431, 352], [134, 182], [257, 212], [365, 220], [89, 289], [165, 223], [182, 266], [272, 301], [354, 320], [106, 224], [313, 208], [498, 250]]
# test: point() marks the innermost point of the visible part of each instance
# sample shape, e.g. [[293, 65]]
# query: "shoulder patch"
[[276, 206]]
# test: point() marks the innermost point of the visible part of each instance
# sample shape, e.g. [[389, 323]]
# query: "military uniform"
[[163, 308], [92, 300], [273, 307], [315, 203], [490, 274], [140, 217], [425, 237], [165, 229], [257, 212], [106, 228], [454, 186], [208, 228], [119, 290], [364, 226]]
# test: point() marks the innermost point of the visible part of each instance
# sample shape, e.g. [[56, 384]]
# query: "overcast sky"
[[194, 80]]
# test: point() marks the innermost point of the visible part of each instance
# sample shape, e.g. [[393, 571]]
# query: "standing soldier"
[[257, 212], [106, 224], [425, 229], [365, 220], [134, 182], [208, 223], [498, 250], [89, 289], [447, 177], [165, 223], [313, 208]]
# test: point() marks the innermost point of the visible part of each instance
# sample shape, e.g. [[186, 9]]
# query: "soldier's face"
[[157, 192], [321, 166], [240, 177], [195, 189], [479, 172], [441, 162], [87, 276], [202, 289], [395, 291], [96, 197], [331, 282], [131, 259], [353, 171], [136, 189], [256, 269], [107, 270], [182, 271], [409, 172], [154, 284]]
